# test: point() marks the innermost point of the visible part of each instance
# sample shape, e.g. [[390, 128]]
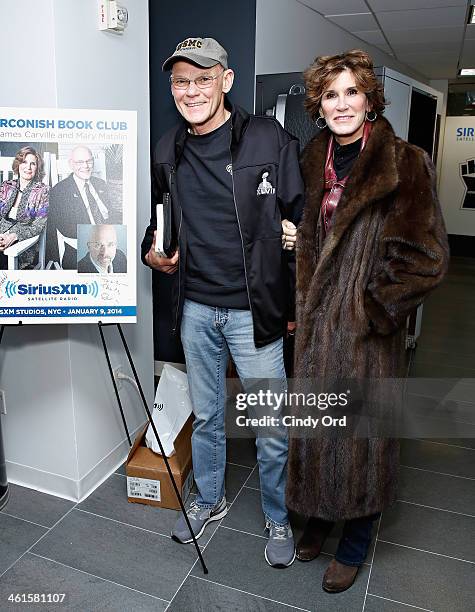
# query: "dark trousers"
[[3, 261], [355, 540]]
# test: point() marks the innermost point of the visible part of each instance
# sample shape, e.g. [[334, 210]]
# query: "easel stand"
[[149, 416]]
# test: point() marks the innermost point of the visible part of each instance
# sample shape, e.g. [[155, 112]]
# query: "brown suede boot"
[[339, 577], [313, 538]]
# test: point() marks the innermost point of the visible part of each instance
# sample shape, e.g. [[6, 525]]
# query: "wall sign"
[[457, 179]]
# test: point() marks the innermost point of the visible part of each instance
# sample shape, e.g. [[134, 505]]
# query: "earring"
[[322, 127], [373, 117]]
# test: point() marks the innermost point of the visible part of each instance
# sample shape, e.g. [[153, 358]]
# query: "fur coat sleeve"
[[413, 251]]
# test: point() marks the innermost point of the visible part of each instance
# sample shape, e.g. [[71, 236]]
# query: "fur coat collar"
[[374, 176]]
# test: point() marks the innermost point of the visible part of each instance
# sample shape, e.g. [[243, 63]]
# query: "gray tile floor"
[[107, 554]]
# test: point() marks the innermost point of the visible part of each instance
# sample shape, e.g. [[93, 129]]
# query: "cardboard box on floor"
[[148, 481]]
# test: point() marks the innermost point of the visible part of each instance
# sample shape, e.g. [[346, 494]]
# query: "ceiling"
[[430, 36]]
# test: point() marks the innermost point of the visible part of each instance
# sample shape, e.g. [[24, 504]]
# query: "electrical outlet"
[[3, 405]]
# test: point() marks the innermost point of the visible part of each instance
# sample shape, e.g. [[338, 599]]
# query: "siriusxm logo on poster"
[[13, 289], [465, 133]]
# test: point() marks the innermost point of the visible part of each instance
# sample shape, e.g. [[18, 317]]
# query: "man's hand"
[[168, 265], [289, 235]]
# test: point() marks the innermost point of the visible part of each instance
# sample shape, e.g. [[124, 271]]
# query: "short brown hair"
[[326, 68], [20, 158]]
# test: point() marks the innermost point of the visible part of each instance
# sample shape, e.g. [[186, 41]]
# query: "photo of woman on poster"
[[23, 206]]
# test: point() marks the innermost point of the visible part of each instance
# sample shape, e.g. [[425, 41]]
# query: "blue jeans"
[[355, 540], [207, 333]]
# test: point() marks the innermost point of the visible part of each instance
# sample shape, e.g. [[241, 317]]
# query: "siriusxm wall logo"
[[13, 288], [466, 134]]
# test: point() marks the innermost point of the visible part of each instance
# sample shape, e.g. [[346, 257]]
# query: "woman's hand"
[[289, 235], [6, 240], [168, 265]]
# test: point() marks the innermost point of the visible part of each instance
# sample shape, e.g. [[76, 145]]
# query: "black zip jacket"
[[258, 145]]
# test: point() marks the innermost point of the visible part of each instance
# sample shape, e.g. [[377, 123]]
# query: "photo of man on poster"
[[80, 198], [103, 255]]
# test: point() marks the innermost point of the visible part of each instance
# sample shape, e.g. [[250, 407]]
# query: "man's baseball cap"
[[205, 52]]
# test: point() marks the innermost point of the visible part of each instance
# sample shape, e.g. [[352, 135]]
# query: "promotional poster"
[[67, 216], [457, 179]]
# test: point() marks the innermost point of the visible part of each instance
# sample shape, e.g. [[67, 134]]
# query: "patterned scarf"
[[334, 187]]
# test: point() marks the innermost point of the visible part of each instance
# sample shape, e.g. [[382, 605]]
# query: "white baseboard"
[[69, 488]]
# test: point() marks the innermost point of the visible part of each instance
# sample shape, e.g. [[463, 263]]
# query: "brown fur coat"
[[386, 250]]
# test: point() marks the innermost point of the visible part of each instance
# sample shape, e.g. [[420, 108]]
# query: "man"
[[231, 177], [79, 198], [103, 255]]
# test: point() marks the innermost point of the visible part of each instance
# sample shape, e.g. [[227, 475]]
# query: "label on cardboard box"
[[143, 488]]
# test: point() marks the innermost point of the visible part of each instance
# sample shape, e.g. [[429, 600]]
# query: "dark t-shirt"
[[344, 156], [214, 261]]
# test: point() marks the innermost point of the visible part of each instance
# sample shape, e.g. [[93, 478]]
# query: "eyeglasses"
[[202, 82], [100, 245], [84, 162]]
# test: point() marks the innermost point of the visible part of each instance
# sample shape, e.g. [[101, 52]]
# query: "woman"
[[23, 205], [370, 246]]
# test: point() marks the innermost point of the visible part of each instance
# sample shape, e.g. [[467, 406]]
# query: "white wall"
[[290, 35], [27, 52], [63, 431]]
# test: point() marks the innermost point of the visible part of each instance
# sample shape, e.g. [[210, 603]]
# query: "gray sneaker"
[[280, 549], [199, 517]]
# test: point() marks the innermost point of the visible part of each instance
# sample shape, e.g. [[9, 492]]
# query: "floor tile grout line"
[[107, 518], [431, 350], [249, 593], [403, 603], [211, 537], [423, 362], [446, 444], [443, 418], [189, 571], [252, 488], [231, 503], [76, 569], [247, 467], [371, 564], [429, 552], [245, 532], [37, 541], [403, 501], [450, 355], [255, 535], [19, 518], [410, 467], [418, 362], [242, 486], [196, 561]]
